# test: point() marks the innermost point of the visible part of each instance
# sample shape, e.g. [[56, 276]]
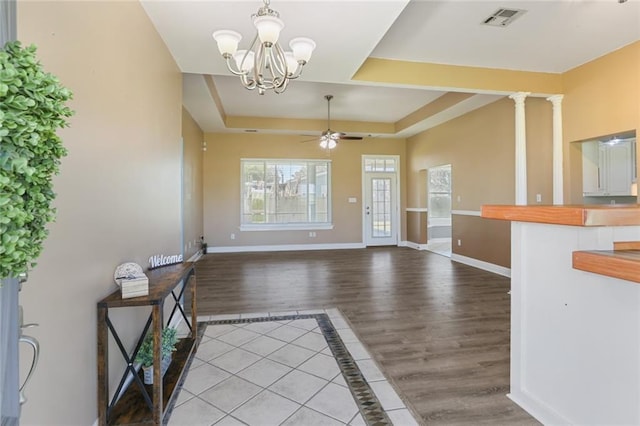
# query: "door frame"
[[396, 220]]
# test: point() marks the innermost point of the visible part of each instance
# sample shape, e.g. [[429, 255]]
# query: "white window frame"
[[295, 226]]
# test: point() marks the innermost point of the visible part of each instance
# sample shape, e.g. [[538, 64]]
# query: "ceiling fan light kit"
[[329, 139], [265, 65]]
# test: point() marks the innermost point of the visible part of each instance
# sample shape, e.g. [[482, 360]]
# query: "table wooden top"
[[161, 281], [575, 215]]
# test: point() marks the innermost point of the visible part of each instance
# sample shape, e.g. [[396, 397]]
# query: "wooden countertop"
[[623, 264], [577, 215]]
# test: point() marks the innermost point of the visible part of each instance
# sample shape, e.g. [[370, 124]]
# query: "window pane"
[[291, 199], [270, 193], [439, 205], [440, 180], [320, 191], [390, 165], [253, 192], [380, 165], [285, 191]]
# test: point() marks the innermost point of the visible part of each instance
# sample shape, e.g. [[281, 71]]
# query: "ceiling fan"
[[329, 139]]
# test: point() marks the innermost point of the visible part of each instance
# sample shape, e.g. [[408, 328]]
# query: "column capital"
[[519, 97], [556, 100]]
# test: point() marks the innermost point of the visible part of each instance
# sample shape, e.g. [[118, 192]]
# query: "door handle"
[[33, 342], [35, 345]]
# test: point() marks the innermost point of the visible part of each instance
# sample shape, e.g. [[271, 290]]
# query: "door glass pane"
[[381, 207]]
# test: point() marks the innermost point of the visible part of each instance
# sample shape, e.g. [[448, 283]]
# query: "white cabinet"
[[590, 168], [608, 169]]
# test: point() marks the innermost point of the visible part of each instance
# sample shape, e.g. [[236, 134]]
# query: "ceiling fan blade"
[[311, 138], [351, 138]]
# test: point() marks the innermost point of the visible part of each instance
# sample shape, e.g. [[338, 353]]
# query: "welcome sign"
[[159, 260]]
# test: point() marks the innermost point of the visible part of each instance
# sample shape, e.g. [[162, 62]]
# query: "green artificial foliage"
[[32, 108], [145, 353]]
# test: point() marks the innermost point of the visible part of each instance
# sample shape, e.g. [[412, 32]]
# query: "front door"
[[380, 209]]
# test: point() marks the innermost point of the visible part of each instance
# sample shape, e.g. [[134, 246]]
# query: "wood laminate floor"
[[439, 329]]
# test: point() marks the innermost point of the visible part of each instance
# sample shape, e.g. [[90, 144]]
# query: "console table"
[[140, 403]]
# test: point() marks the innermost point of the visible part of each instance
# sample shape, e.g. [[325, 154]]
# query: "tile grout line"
[[263, 388], [339, 322]]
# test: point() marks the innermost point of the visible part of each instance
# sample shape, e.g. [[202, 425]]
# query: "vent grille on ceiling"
[[503, 17]]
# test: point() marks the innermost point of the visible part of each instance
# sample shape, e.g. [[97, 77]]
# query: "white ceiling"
[[552, 36]]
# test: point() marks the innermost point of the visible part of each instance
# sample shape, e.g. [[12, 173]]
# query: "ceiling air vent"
[[503, 17]]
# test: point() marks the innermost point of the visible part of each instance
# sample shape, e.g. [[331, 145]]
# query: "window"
[[380, 165], [289, 194], [439, 192]]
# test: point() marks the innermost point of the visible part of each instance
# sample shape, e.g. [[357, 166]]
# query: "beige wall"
[[118, 191], [602, 98], [222, 186], [480, 148], [192, 152]]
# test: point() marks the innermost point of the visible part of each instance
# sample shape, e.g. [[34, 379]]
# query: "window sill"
[[287, 227]]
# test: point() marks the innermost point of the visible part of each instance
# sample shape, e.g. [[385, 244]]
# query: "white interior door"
[[380, 209]]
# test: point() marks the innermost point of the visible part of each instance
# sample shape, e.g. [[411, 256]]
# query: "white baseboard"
[[285, 247], [480, 264], [196, 256], [439, 240], [537, 409], [415, 246]]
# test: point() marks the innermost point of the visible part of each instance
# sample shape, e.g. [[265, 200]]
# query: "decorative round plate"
[[126, 270]]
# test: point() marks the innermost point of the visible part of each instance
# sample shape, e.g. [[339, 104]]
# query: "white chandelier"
[[265, 65]]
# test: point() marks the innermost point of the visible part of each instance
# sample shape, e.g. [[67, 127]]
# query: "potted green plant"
[[144, 356], [32, 108]]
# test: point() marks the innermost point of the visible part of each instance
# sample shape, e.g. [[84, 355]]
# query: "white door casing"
[[380, 204]]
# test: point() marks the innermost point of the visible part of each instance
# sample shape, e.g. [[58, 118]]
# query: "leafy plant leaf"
[[32, 108]]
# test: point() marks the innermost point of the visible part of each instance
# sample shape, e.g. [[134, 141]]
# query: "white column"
[[556, 101], [521, 148]]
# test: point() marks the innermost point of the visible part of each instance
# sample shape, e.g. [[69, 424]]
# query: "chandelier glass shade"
[[265, 65]]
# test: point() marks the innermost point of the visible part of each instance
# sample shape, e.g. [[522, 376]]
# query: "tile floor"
[[440, 246], [276, 368]]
